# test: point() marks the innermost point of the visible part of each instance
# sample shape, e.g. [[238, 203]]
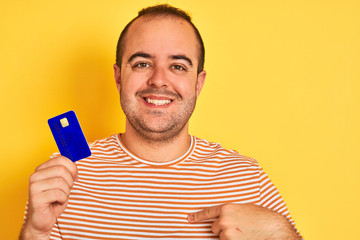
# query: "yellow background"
[[282, 87]]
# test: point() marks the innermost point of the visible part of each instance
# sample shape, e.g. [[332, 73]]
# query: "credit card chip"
[[64, 122]]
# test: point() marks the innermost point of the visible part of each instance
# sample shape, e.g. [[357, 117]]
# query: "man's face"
[[158, 80]]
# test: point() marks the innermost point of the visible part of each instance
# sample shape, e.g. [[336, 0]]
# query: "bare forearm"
[[288, 235], [283, 230], [27, 233]]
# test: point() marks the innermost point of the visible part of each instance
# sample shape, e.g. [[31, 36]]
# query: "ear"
[[117, 76], [200, 82]]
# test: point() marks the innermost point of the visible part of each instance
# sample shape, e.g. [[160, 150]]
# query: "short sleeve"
[[271, 199], [55, 232]]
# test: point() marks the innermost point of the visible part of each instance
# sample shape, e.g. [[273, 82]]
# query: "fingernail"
[[190, 217]]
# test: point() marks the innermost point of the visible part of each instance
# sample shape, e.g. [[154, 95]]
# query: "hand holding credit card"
[[69, 137]]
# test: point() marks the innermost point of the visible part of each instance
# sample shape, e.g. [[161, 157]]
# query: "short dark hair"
[[161, 10]]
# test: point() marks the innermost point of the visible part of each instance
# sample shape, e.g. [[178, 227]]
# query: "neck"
[[156, 151]]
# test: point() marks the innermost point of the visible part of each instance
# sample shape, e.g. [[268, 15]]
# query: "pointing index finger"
[[205, 214]]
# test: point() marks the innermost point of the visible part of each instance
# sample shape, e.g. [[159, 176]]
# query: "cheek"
[[185, 87], [132, 84]]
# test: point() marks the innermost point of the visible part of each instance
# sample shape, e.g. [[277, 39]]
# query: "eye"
[[142, 65], [178, 67]]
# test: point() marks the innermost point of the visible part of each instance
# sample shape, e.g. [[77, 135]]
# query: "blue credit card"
[[69, 137]]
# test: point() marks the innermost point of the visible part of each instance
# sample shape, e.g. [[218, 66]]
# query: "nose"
[[158, 77]]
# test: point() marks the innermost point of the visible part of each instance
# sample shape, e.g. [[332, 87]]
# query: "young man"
[[155, 180]]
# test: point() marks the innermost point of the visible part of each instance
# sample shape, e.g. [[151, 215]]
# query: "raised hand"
[[49, 190]]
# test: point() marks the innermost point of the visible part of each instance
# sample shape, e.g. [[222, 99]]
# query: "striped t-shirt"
[[121, 196]]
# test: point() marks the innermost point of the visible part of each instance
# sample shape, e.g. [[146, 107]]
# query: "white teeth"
[[158, 102]]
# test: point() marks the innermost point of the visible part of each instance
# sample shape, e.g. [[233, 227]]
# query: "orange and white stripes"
[[120, 196]]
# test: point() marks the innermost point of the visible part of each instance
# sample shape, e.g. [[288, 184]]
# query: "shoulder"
[[106, 148], [213, 150], [105, 142]]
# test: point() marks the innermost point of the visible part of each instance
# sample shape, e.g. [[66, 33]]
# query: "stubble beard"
[[165, 130]]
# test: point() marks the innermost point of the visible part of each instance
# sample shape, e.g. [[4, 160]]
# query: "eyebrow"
[[183, 57], [146, 55], [139, 54]]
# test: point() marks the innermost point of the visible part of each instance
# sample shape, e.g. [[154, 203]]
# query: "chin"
[[160, 133]]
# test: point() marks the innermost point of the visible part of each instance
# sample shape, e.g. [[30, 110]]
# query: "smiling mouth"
[[158, 102]]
